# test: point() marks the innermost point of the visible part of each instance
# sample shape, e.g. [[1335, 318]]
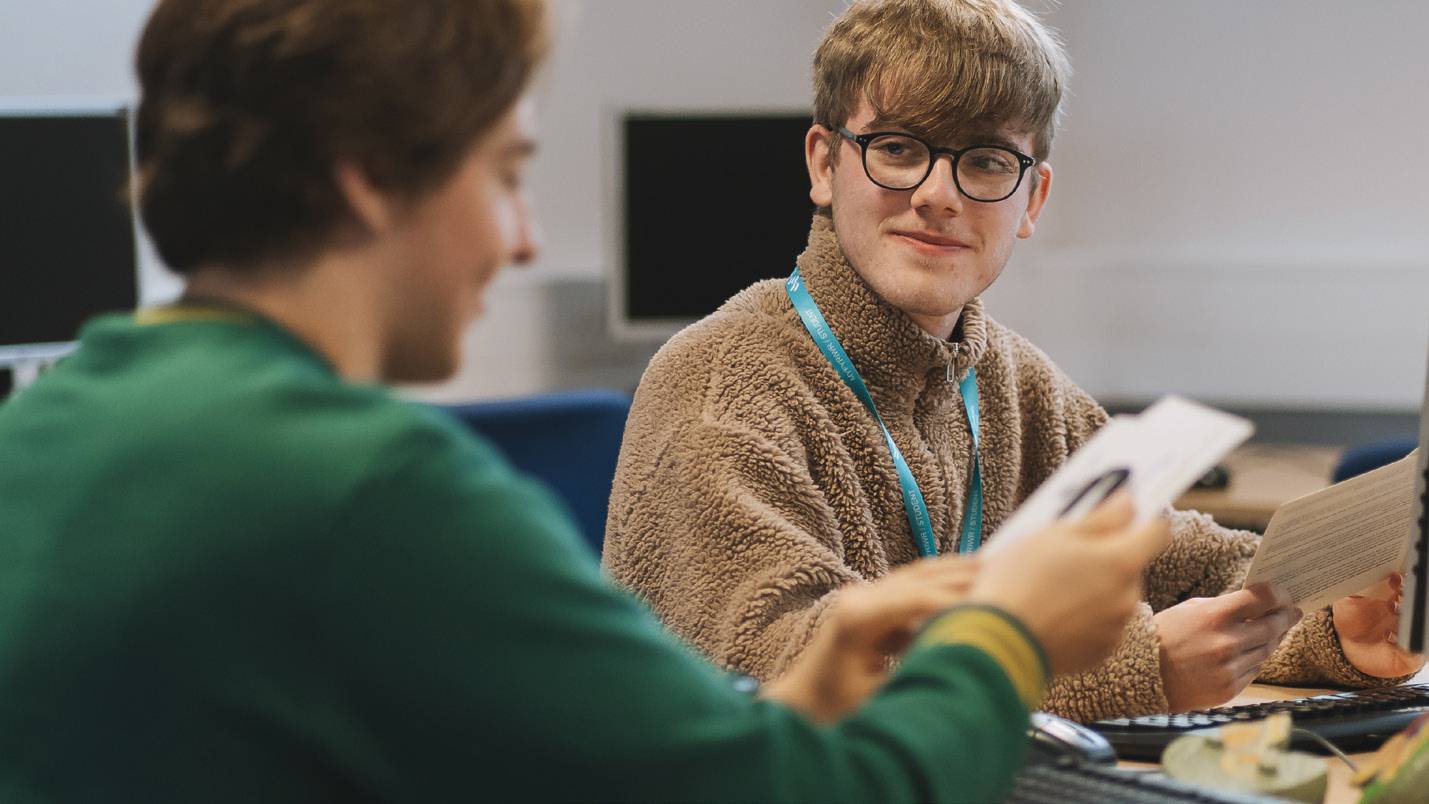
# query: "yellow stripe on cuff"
[[153, 316], [1001, 638]]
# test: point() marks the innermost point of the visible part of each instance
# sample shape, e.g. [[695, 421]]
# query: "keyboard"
[[1070, 781], [1354, 721]]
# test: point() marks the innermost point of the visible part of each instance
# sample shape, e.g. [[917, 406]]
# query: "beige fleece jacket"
[[752, 484]]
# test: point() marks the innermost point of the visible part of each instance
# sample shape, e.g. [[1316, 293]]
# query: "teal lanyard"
[[913, 504]]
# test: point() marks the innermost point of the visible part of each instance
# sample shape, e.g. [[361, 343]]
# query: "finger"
[[1253, 601], [1245, 679], [899, 607], [949, 564], [1139, 545], [1114, 513], [1267, 631]]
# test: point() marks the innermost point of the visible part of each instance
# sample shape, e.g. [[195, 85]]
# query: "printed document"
[[1340, 540]]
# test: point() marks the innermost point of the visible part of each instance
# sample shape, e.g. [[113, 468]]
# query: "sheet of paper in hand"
[[1339, 540], [1156, 455]]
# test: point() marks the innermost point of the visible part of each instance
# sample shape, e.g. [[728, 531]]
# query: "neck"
[[324, 304], [939, 326]]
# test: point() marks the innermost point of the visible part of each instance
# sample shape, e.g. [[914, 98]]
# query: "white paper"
[[1340, 540], [1165, 449]]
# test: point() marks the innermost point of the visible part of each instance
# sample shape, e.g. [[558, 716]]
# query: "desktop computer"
[[68, 242]]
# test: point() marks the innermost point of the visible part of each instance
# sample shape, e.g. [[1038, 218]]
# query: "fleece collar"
[[899, 361]]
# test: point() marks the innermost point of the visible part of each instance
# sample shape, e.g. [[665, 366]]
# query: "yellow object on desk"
[[1250, 758], [1398, 773], [1341, 790]]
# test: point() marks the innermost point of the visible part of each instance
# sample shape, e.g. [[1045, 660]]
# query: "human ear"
[[373, 209], [1036, 200], [821, 169]]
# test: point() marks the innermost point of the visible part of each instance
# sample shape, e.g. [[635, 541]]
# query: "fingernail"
[[1394, 607], [1392, 638]]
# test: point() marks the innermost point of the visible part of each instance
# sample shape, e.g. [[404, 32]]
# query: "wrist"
[[1002, 637]]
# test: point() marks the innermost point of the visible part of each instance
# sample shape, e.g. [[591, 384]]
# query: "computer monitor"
[[701, 205], [1414, 629], [67, 234]]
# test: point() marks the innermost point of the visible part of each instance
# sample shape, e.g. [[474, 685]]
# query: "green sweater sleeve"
[[490, 659]]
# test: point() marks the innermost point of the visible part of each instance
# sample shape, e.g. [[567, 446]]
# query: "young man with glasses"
[[815, 433]]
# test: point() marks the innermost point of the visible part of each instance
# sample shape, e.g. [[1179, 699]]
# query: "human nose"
[[528, 235], [940, 190]]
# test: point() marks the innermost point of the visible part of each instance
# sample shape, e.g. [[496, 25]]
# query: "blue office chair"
[[570, 440], [1362, 458]]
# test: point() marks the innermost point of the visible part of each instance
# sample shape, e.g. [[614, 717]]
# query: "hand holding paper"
[[1366, 625], [1156, 456]]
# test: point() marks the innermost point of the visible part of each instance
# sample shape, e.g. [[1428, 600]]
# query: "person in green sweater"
[[234, 568]]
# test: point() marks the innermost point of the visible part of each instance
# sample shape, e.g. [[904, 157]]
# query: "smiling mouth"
[[930, 243]]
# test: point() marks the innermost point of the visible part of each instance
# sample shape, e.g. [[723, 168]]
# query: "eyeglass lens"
[[901, 163]]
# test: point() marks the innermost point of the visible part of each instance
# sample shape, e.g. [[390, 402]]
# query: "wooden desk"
[[1340, 790], [1262, 476]]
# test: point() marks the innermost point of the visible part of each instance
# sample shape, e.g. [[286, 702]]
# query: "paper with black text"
[[1340, 540], [1162, 452]]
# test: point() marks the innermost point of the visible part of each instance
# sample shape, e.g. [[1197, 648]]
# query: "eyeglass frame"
[[863, 140]]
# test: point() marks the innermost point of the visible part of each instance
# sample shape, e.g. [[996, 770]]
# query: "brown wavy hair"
[[943, 69], [247, 106]]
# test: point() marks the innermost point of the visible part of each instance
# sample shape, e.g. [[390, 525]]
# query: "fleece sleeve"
[[730, 542]]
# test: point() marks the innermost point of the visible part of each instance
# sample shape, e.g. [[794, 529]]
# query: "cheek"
[[474, 233], [505, 224]]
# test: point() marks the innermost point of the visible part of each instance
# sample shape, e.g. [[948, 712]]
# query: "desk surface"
[[1340, 791], [1262, 476]]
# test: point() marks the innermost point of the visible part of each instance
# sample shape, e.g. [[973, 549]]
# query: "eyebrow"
[[988, 138], [520, 148], [976, 138], [879, 124]]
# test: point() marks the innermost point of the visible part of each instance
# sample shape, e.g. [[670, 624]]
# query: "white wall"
[[1199, 239], [1239, 210]]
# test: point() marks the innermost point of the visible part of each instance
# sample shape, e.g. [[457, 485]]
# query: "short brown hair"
[[943, 69], [247, 106]]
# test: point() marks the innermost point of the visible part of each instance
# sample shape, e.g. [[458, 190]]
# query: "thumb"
[[1140, 544], [896, 608], [1115, 513]]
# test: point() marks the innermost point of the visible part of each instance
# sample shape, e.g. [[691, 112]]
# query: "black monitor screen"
[[66, 235], [712, 204]]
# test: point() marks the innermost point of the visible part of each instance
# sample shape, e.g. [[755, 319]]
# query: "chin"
[[422, 366], [923, 292]]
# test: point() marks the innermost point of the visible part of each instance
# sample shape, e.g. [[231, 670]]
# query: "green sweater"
[[228, 575]]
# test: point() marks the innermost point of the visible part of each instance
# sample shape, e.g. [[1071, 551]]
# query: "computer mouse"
[[1217, 477], [1052, 738]]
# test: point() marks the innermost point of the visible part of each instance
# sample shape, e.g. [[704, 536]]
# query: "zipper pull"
[[951, 361]]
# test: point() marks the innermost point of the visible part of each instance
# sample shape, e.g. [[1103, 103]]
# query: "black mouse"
[[1053, 737]]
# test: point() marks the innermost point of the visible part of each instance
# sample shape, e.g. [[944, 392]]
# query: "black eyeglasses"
[[898, 161]]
